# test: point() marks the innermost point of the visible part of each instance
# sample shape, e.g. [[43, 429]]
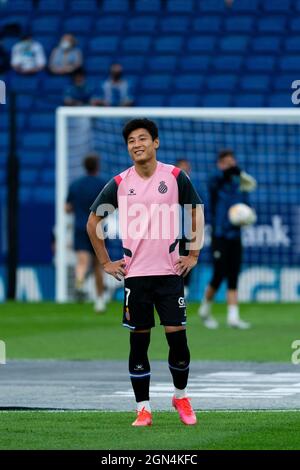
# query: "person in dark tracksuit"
[[82, 193], [228, 185]]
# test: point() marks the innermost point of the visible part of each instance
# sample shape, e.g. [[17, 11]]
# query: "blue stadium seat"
[[284, 82], [297, 5], [142, 24], [42, 121], [239, 24], [45, 24], [234, 43], [109, 24], [32, 158], [266, 44], [37, 140], [260, 63], [165, 63], [138, 44], [25, 103], [192, 83], [48, 177], [21, 83], [272, 24], [249, 100], [228, 62], [211, 6], [217, 100], [43, 193], [18, 6], [56, 84], [85, 6], [97, 64], [146, 6], [157, 82], [201, 43], [180, 6], [255, 83], [246, 6], [25, 194], [104, 44], [2, 177], [22, 20], [48, 41], [207, 24], [116, 6], [183, 100], [134, 63], [292, 44], [295, 24], [222, 82], [28, 177], [151, 100], [169, 44], [280, 100], [175, 24], [195, 63], [51, 6], [290, 63], [78, 24], [277, 6]]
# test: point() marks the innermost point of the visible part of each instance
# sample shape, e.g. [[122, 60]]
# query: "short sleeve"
[[107, 200], [186, 190]]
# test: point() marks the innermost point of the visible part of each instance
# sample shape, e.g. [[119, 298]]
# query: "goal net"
[[267, 145]]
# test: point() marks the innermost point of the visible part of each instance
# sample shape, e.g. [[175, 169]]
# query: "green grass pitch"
[[113, 431], [47, 330]]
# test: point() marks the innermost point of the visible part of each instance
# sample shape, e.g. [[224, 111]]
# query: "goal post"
[[266, 142]]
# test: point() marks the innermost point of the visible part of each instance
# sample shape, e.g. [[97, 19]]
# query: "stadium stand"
[[177, 53]]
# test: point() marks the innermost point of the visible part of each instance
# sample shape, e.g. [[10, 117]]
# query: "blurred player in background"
[[184, 165], [82, 193], [152, 267], [227, 186]]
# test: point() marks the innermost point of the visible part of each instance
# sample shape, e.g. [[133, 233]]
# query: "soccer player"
[[82, 193], [227, 186], [152, 267]]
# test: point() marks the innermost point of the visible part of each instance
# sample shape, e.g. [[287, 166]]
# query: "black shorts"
[[227, 259], [143, 293], [82, 242]]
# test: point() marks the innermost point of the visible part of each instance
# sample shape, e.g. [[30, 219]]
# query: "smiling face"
[[141, 147]]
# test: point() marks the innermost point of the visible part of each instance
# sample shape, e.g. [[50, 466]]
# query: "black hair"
[[225, 153], [91, 163], [141, 123]]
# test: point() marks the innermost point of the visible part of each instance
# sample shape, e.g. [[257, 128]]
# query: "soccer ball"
[[241, 214]]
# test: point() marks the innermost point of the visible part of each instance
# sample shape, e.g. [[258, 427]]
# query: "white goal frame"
[[258, 115]]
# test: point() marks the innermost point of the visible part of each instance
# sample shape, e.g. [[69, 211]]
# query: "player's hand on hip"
[[115, 268], [184, 264]]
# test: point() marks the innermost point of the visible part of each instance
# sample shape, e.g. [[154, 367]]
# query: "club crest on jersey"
[[131, 192], [162, 188]]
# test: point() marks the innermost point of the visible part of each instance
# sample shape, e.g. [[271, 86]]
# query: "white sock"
[[233, 313], [180, 393], [143, 404], [205, 307]]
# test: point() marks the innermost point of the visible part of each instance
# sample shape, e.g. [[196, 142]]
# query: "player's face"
[[141, 147]]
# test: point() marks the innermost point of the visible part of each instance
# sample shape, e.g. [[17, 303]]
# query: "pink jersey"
[[149, 217]]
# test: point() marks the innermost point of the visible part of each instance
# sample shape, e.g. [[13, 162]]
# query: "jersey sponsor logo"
[[162, 188], [181, 302]]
